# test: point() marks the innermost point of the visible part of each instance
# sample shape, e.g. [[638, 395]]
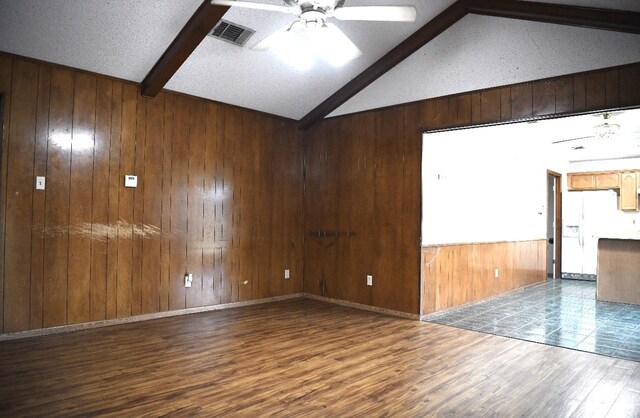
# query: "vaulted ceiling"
[[125, 38]]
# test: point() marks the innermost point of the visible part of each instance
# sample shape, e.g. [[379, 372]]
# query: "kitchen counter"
[[619, 269]]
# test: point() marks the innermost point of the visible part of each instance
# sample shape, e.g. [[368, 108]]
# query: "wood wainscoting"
[[219, 195], [453, 275]]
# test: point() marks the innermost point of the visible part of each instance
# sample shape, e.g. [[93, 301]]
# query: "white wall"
[[486, 184]]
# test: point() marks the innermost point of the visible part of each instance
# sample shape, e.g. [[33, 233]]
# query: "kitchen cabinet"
[[629, 191], [605, 181], [582, 181]]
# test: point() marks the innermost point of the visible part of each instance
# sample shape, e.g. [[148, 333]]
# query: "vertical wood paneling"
[[219, 195], [219, 206], [368, 161], [453, 275], [39, 201], [20, 182], [6, 71], [463, 107], [505, 103], [138, 205], [167, 232], [211, 175], [195, 204], [115, 182], [544, 98], [411, 203], [612, 88], [125, 201], [56, 250], [564, 95], [81, 197], [521, 101], [151, 216], [179, 196], [100, 205], [596, 90], [579, 93], [629, 84], [229, 287], [476, 108], [490, 106], [362, 190]]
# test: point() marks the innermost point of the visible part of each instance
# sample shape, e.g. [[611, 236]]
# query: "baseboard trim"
[[158, 315], [139, 318], [435, 314], [363, 307]]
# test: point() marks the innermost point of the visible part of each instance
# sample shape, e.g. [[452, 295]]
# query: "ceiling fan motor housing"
[[313, 17]]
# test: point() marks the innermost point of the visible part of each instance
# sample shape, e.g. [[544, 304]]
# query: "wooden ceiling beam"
[[421, 37], [585, 17], [588, 17], [198, 26]]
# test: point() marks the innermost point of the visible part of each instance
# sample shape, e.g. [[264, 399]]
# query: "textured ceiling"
[[124, 38]]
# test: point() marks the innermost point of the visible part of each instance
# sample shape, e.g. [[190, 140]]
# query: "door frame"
[[558, 221]]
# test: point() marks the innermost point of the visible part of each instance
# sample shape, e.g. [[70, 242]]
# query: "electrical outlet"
[[286, 274], [497, 273], [369, 280]]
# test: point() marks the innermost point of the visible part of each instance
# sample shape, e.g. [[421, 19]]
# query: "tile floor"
[[563, 313]]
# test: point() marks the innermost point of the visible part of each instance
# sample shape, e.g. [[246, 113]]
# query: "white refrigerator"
[[585, 217]]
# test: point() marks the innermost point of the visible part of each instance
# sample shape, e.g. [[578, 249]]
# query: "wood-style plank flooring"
[[306, 358]]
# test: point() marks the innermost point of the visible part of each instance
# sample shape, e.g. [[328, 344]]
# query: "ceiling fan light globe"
[[333, 46]]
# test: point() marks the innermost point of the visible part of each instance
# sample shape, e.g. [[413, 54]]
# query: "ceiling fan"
[[608, 141], [603, 133], [311, 35]]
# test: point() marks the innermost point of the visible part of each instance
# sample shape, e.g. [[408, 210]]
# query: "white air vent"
[[232, 32]]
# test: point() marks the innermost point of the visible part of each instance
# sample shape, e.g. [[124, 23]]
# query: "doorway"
[[554, 225]]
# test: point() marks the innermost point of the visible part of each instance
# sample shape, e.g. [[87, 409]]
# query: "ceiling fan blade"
[[376, 13], [572, 139], [256, 6]]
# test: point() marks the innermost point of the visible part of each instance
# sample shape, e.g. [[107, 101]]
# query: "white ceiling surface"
[[120, 38], [259, 80], [124, 38], [482, 52], [552, 140]]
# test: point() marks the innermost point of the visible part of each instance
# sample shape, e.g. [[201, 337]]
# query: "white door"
[[596, 209], [572, 233]]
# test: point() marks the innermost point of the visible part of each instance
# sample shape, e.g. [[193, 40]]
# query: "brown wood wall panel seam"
[[39, 201], [21, 145], [113, 218], [80, 198], [6, 73]]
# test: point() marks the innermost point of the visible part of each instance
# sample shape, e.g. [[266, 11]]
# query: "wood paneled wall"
[[219, 195], [362, 188], [362, 209], [453, 275]]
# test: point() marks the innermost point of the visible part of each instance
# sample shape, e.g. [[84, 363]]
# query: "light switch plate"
[[130, 181], [40, 182]]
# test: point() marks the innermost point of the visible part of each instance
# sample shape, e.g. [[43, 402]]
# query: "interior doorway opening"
[[554, 225]]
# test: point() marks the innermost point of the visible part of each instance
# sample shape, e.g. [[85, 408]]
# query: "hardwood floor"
[[306, 358]]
